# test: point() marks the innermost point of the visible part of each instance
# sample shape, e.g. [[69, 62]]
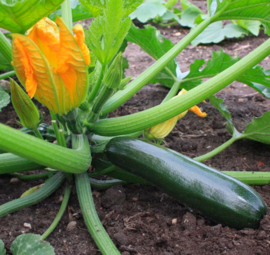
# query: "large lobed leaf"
[[150, 40], [27, 244], [2, 248], [4, 99], [256, 78], [96, 7], [107, 31], [258, 129], [20, 15], [244, 9]]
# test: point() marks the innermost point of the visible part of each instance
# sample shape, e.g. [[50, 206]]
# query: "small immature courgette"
[[216, 195]]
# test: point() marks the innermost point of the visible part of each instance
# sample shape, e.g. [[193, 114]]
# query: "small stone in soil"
[[71, 225], [189, 221]]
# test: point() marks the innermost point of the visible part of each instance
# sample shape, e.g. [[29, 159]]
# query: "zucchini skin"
[[216, 195]]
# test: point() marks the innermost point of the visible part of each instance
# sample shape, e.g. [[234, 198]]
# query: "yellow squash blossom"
[[161, 130], [52, 64]]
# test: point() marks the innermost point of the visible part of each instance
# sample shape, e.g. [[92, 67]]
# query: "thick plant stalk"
[[153, 116], [50, 186], [10, 163], [47, 154], [97, 231]]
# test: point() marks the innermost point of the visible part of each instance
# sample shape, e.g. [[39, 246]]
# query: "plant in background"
[[53, 66]]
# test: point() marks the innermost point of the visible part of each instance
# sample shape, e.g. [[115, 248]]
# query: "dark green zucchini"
[[216, 195]]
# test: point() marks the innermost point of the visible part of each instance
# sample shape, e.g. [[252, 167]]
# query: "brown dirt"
[[142, 219]]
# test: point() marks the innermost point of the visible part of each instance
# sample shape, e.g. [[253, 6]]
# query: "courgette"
[[202, 188]]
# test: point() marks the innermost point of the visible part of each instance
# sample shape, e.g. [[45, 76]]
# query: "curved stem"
[[59, 214], [38, 134], [50, 186], [216, 150], [122, 96], [105, 184], [153, 116], [90, 216], [172, 91], [31, 177]]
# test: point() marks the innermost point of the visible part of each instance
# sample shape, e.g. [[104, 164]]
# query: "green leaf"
[[79, 12], [19, 15], [189, 16], [149, 10], [151, 41], [258, 80], [186, 4], [27, 244], [218, 104], [97, 6], [107, 32], [4, 99], [258, 129], [2, 248], [257, 77], [244, 10], [5, 65], [216, 33], [253, 26]]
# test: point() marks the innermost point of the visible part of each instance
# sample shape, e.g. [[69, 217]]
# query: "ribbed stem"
[[45, 153], [10, 163], [90, 216], [30, 177], [67, 13], [173, 107], [6, 75], [50, 186]]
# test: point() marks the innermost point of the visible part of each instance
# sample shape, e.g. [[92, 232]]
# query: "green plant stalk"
[[6, 75], [50, 155], [173, 107], [59, 214], [67, 13], [97, 231], [174, 89], [104, 171], [216, 150], [55, 128], [5, 47], [31, 177], [97, 86], [122, 96], [38, 134], [50, 186], [10, 163], [250, 178], [105, 184]]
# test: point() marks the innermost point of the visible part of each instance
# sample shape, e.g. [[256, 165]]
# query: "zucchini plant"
[[78, 74]]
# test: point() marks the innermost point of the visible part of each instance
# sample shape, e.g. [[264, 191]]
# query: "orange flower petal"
[[23, 66], [197, 111], [79, 37], [71, 66], [34, 71]]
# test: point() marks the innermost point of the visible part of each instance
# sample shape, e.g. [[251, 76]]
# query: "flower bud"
[[24, 107], [113, 76]]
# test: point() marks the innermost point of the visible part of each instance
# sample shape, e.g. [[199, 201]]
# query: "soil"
[[142, 219]]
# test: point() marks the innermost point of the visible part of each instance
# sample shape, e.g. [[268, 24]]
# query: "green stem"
[[104, 171], [67, 13], [55, 128], [90, 216], [10, 163], [122, 96], [50, 186], [97, 86], [216, 150], [250, 178], [47, 154], [6, 75], [174, 89], [105, 184], [60, 214], [38, 134], [173, 107], [31, 177], [5, 47]]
